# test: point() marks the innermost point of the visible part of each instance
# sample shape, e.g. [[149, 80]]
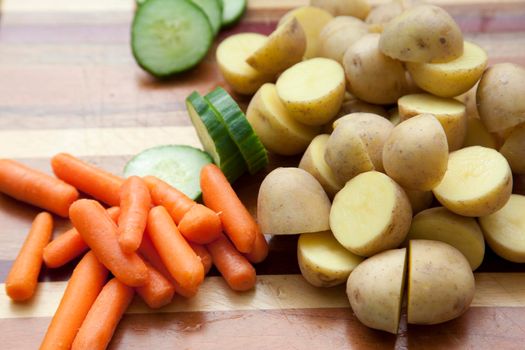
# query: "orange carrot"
[[103, 317], [259, 251], [236, 270], [158, 291], [204, 255], [36, 188], [85, 284], [69, 245], [22, 279], [135, 202], [100, 234], [200, 225], [176, 202], [97, 183], [176, 254], [219, 196]]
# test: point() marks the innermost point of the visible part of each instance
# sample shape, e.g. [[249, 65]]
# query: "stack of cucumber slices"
[[172, 36]]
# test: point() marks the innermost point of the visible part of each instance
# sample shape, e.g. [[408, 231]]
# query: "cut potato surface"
[[440, 282], [338, 35], [231, 57], [292, 201], [449, 112], [514, 150], [504, 230], [278, 131], [375, 290], [451, 78], [312, 90], [323, 261], [370, 214], [478, 182], [313, 161], [463, 233]]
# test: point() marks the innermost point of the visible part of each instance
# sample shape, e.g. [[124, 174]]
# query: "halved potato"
[[323, 261], [380, 15], [451, 78], [415, 154], [375, 290], [450, 112], [419, 200], [291, 201], [440, 224], [278, 131], [441, 284], [477, 135], [231, 57], [355, 8], [352, 104], [283, 48], [478, 182], [338, 35], [312, 90], [313, 161], [514, 150], [370, 214]]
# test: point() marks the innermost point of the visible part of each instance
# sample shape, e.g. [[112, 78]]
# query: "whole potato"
[[355, 8], [380, 15], [514, 150], [338, 35]]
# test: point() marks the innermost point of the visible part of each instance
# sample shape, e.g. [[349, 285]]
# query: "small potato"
[[338, 35], [505, 229], [355, 8], [372, 76], [231, 58], [478, 182], [394, 116], [291, 201], [441, 284], [415, 154], [312, 20], [449, 112], [451, 78], [323, 261], [375, 290], [500, 96], [312, 90], [439, 224], [514, 150], [423, 34], [477, 135], [313, 161], [419, 200], [380, 15], [354, 105], [278, 131], [370, 214], [283, 48]]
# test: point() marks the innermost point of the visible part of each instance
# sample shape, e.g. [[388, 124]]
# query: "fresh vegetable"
[[83, 287], [135, 202], [36, 188], [260, 249], [178, 165], [204, 255], [513, 150], [100, 234], [158, 290], [103, 317], [477, 135], [419, 200], [382, 14], [170, 36], [213, 11], [200, 225], [87, 178], [21, 282], [232, 11], [355, 8], [338, 35]]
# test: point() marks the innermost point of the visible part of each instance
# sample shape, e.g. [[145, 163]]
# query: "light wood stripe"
[[91, 142], [272, 292]]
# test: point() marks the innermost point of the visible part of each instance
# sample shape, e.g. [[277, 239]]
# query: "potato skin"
[[355, 8], [338, 35], [380, 15], [419, 200], [514, 150]]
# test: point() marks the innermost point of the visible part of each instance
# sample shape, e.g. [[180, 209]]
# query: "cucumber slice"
[[213, 10], [214, 137], [232, 11], [170, 36], [240, 130], [178, 165]]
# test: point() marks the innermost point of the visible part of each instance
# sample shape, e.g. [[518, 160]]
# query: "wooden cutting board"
[[68, 82]]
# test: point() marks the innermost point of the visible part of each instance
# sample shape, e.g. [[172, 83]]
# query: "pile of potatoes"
[[409, 144]]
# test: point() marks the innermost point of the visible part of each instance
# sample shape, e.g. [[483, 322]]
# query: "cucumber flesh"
[[178, 165], [170, 36], [213, 10], [214, 137], [232, 11], [240, 130]]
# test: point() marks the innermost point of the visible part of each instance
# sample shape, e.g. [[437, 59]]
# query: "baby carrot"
[[85, 284], [204, 254], [97, 183], [176, 254], [158, 291], [236, 270], [36, 188], [135, 202], [200, 225], [22, 279], [219, 196], [176, 202], [259, 251], [100, 234], [69, 245], [103, 317]]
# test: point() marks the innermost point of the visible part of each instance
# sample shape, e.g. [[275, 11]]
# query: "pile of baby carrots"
[[152, 238]]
